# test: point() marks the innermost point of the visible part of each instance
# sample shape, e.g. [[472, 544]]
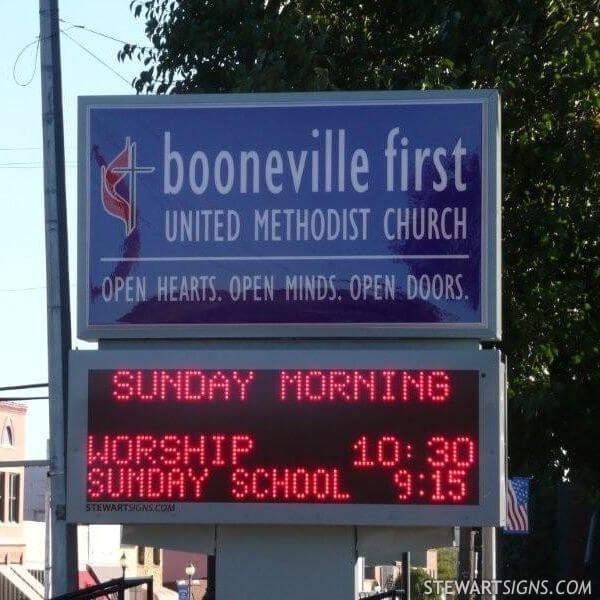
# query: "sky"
[[23, 347]]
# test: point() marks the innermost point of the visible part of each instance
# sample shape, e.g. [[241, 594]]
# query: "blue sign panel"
[[289, 215]]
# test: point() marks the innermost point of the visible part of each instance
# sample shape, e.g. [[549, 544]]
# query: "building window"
[[369, 572], [156, 556], [141, 552], [2, 497], [14, 497], [8, 435]]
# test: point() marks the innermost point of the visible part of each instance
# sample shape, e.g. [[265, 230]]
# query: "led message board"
[[178, 436], [290, 215]]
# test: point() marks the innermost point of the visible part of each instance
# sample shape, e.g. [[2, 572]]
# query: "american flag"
[[517, 498]]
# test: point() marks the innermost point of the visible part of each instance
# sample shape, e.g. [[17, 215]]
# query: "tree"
[[421, 585], [543, 56], [447, 559]]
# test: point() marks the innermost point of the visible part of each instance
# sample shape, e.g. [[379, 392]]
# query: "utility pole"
[[63, 536]]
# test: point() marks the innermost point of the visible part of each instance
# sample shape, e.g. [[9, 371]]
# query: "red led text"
[[385, 451], [459, 452], [359, 386], [168, 450], [181, 385], [146, 483], [295, 484]]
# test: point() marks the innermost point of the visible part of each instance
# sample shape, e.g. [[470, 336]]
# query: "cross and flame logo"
[[118, 198]]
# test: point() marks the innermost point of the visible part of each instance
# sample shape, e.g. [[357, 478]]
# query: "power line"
[[101, 34], [25, 148], [95, 57], [32, 166], [30, 163], [72, 25], [29, 289], [37, 41], [20, 148], [24, 398], [26, 386], [37, 50]]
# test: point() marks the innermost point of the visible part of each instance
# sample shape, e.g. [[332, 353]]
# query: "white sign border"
[[492, 475], [489, 328]]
